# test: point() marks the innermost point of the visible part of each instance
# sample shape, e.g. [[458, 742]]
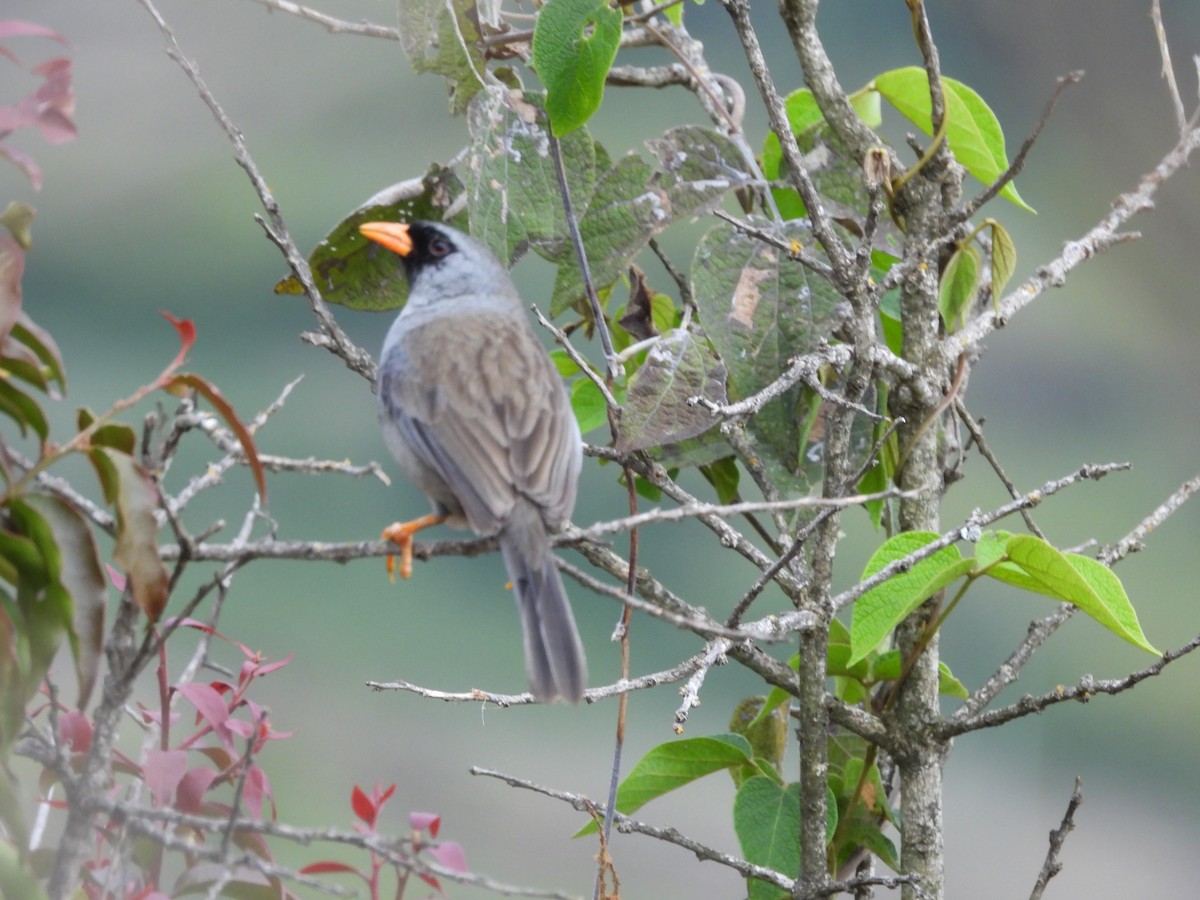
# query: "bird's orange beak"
[[392, 235]]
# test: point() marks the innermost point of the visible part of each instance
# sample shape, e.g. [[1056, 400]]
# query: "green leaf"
[[42, 345], [723, 474], [356, 272], [886, 605], [886, 667], [137, 534], [574, 45], [803, 113], [588, 404], [1082, 581], [972, 130], [566, 366], [767, 732], [23, 409], [766, 817], [679, 366], [670, 766], [959, 284], [1004, 259], [515, 201], [79, 572], [442, 36]]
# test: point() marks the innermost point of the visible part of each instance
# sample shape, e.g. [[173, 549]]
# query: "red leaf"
[[325, 868], [163, 770], [192, 787], [450, 854], [431, 881], [362, 806], [188, 380], [187, 337]]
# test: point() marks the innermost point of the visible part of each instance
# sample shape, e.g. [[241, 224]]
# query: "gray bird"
[[478, 418]]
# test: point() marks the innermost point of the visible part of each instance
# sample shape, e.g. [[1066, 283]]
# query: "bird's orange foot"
[[401, 534]]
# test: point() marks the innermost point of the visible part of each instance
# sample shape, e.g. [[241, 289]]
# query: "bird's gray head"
[[441, 262]]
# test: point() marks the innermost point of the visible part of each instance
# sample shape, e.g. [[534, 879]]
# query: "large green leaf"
[[672, 765], [574, 45], [886, 605], [972, 130], [1079, 580], [766, 817]]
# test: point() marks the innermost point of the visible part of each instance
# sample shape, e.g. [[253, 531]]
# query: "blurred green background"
[[148, 211]]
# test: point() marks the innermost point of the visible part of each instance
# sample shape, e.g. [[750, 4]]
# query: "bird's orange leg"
[[401, 534]]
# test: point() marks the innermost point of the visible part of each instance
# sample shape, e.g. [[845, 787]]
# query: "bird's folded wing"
[[490, 416]]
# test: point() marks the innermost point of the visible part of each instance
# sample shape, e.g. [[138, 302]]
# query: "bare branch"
[[1058, 836], [713, 655], [1168, 69], [1136, 538], [331, 24], [1098, 239], [1018, 162], [626, 825], [1082, 692], [355, 358]]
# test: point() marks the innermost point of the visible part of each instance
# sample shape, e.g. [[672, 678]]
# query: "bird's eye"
[[439, 247]]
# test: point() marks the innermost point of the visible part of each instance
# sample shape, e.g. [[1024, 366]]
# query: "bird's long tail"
[[554, 660]]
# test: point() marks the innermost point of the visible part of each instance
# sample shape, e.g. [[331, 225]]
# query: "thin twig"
[[1082, 692], [1058, 836], [713, 655], [331, 24], [589, 287], [1168, 69]]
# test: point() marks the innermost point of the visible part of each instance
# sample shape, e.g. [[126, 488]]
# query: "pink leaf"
[[425, 822], [450, 854], [254, 788], [189, 796], [210, 706], [76, 730], [163, 771], [17, 28], [25, 163]]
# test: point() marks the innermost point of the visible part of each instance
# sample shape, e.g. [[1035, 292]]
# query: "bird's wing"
[[489, 415]]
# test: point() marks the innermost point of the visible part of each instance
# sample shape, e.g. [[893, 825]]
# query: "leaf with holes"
[[678, 367]]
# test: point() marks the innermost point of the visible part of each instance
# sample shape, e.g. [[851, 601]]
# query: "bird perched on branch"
[[478, 418]]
